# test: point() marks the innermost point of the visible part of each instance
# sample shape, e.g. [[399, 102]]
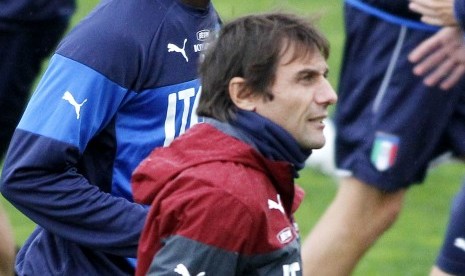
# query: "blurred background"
[[410, 247]]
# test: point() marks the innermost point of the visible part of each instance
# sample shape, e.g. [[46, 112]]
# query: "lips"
[[319, 118]]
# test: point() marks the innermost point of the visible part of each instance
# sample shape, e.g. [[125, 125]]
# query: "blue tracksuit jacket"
[[123, 82]]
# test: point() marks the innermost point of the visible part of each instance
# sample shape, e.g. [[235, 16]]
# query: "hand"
[[7, 245], [440, 58], [435, 12]]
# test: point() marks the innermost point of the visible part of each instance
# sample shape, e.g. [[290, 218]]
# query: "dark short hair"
[[251, 47]]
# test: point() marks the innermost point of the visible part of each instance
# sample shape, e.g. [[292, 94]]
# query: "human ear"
[[241, 95]]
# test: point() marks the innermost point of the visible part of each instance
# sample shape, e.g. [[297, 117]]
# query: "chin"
[[319, 146], [311, 145], [318, 143], [312, 140]]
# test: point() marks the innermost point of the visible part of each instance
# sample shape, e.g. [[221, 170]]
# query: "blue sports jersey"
[[390, 125], [35, 16], [396, 7], [34, 10], [459, 12], [396, 12], [123, 82], [451, 256]]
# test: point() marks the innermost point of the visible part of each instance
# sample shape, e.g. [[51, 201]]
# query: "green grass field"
[[410, 247]]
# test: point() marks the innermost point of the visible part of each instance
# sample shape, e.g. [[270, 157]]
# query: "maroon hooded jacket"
[[218, 207]]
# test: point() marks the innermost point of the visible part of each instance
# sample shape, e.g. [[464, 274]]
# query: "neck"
[[197, 3], [268, 138]]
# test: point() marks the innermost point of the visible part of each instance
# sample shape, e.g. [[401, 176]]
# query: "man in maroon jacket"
[[222, 195]]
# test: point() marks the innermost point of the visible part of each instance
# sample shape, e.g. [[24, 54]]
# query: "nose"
[[326, 95]]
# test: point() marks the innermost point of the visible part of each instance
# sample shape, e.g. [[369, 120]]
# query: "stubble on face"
[[296, 105]]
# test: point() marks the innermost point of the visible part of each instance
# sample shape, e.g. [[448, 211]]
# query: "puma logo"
[[67, 96], [174, 48], [460, 243], [182, 270], [276, 205]]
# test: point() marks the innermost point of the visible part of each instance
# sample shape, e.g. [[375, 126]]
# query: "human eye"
[[312, 76], [326, 74], [307, 77]]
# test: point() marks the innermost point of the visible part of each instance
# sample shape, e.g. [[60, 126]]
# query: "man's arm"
[[435, 12], [441, 58], [72, 105], [7, 245]]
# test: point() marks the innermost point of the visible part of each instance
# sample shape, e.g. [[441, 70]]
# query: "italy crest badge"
[[384, 150]]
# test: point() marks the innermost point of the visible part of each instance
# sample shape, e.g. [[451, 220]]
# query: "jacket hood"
[[164, 164]]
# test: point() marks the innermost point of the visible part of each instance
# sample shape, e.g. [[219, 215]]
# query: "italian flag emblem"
[[384, 151]]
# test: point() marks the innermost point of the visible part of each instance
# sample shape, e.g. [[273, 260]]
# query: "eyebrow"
[[313, 71]]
